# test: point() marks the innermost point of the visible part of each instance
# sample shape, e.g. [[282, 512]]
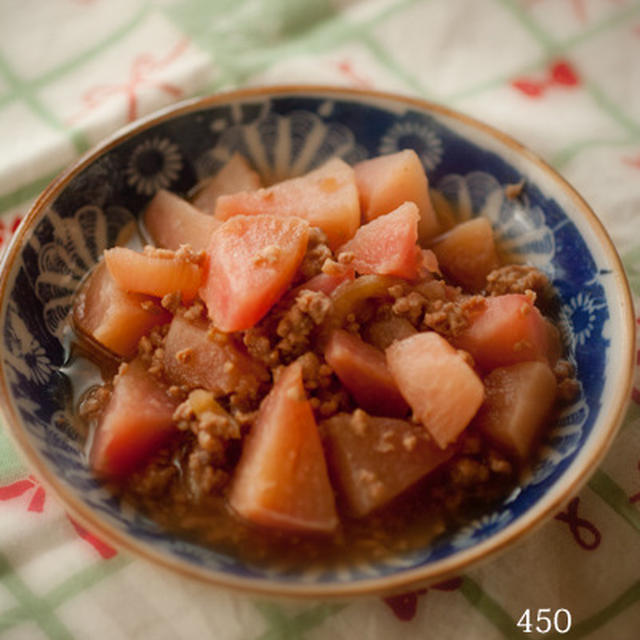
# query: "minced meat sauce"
[[184, 485]]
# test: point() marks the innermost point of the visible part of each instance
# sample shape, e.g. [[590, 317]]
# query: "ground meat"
[[358, 422], [195, 311], [270, 255], [307, 312], [322, 387], [172, 301], [201, 412], [202, 477], [197, 464], [411, 306], [516, 278], [435, 311], [337, 269], [151, 350], [327, 401], [154, 481], [467, 472], [385, 445], [244, 418], [186, 253], [450, 318], [158, 252], [373, 484], [157, 477], [346, 257], [258, 343], [568, 387], [287, 332], [317, 253], [477, 475], [316, 374], [94, 402], [244, 403], [499, 464]]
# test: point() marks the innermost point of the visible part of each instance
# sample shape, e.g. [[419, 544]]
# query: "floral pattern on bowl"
[[520, 228], [281, 134], [281, 146]]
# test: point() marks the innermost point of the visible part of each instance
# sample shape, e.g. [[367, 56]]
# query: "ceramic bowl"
[[286, 131]]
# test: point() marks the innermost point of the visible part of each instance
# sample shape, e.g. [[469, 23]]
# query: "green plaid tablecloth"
[[562, 76]]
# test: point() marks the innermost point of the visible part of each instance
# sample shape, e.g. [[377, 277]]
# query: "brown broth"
[[409, 522]]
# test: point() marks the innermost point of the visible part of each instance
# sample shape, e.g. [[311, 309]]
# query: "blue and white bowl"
[[284, 132]]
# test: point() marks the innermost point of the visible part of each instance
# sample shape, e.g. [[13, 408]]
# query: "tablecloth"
[[561, 76]]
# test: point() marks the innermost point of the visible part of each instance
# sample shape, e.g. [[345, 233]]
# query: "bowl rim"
[[403, 580]]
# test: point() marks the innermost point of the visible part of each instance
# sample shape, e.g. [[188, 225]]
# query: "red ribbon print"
[[579, 8], [141, 73], [7, 230], [36, 505], [405, 605], [578, 526], [101, 547], [632, 161], [20, 487], [347, 69], [559, 74]]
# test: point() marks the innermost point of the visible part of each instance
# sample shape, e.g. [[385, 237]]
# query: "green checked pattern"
[[559, 75]]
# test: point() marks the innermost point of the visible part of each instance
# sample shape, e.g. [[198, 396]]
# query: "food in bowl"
[[324, 368]]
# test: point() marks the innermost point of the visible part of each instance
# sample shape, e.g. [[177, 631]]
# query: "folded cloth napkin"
[[559, 75]]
